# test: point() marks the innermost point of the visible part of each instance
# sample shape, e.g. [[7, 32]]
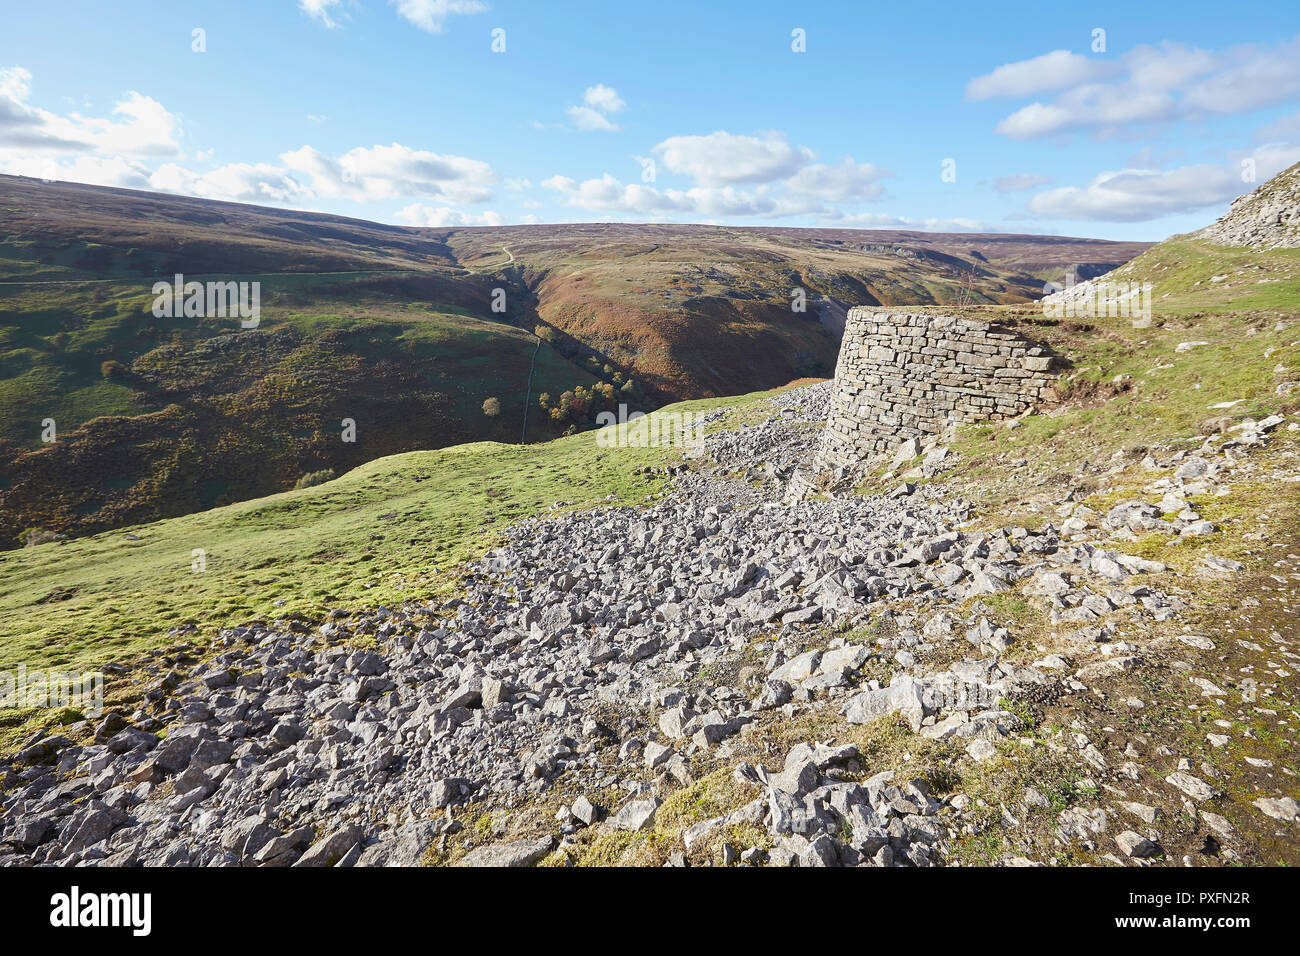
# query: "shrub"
[[35, 536], [492, 406], [314, 478]]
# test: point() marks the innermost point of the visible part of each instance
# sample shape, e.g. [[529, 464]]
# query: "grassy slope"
[[54, 338], [321, 547], [410, 367], [1093, 446], [387, 524], [1184, 271], [388, 531], [1131, 386]]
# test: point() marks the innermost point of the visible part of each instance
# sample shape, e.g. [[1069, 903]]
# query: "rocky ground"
[[722, 677]]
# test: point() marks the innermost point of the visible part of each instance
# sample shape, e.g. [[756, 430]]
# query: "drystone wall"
[[904, 375]]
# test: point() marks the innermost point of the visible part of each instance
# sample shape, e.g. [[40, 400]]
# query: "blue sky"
[[401, 111]]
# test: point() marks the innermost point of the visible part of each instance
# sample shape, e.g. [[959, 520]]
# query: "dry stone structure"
[[906, 375]]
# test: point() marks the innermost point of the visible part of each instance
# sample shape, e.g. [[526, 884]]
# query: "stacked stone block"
[[906, 375]]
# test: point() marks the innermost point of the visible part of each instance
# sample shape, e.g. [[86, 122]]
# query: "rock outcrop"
[[1266, 218]]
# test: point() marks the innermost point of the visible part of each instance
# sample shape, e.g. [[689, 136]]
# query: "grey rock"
[[518, 853], [329, 849]]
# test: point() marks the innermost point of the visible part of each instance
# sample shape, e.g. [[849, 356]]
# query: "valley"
[[1062, 638], [394, 329]]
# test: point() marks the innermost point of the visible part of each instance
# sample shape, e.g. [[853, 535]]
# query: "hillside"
[[1065, 639], [702, 310], [1267, 217], [393, 329]]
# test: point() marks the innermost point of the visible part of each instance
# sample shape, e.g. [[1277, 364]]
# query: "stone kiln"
[[905, 375]]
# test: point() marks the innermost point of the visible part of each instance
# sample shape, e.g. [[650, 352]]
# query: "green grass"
[[1162, 395], [389, 531], [1183, 272], [53, 340], [249, 414]]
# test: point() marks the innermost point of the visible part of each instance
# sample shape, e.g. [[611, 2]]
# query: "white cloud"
[[432, 15], [386, 172], [148, 129], [597, 103], [785, 182], [1285, 127], [587, 119], [1168, 67], [609, 195], [112, 152], [362, 174], [845, 182], [728, 202], [1136, 195], [1042, 74], [141, 125], [234, 182], [931, 224], [1019, 181], [15, 83], [723, 158], [320, 10], [603, 98], [1249, 78], [1092, 106], [1272, 158], [1147, 85], [110, 171], [418, 214]]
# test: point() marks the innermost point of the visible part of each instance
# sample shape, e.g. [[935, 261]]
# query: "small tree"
[[492, 407]]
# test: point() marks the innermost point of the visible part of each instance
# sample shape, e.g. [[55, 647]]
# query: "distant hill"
[[393, 328], [700, 311]]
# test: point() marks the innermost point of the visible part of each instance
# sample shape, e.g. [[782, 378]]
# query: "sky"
[[1108, 120]]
